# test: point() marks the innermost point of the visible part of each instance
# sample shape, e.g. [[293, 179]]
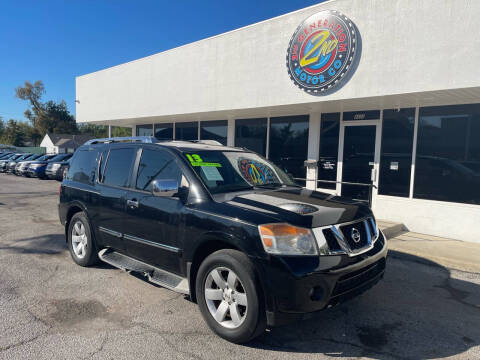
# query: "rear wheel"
[[80, 241], [229, 296]]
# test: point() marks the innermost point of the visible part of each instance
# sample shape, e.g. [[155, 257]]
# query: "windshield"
[[224, 171], [60, 157]]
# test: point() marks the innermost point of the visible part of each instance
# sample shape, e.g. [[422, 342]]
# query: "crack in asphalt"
[[27, 341]]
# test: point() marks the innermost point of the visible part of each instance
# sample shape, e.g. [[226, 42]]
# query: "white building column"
[[109, 131], [231, 132], [313, 149], [134, 130]]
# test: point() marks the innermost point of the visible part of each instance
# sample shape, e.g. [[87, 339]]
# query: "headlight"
[[285, 239], [35, 166], [55, 166]]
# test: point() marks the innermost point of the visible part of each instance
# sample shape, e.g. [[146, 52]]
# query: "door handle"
[[132, 203]]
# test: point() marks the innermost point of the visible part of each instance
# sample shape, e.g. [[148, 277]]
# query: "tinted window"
[[118, 167], [145, 130], [447, 166], [186, 130], [396, 155], [156, 165], [82, 167], [164, 131], [289, 143], [328, 154], [251, 134], [214, 130]]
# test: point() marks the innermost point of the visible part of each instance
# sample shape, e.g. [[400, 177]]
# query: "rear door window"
[[118, 167], [156, 165], [83, 166]]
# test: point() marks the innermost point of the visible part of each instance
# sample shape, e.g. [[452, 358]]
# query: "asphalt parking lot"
[[51, 308]]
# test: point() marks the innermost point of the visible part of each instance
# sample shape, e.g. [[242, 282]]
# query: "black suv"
[[221, 224]]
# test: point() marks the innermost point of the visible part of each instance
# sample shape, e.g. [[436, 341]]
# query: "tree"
[[2, 127], [12, 134], [49, 117]]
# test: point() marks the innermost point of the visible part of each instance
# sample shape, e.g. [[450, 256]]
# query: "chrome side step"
[[154, 274]]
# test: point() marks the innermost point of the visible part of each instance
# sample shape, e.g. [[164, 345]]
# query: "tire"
[[80, 240], [244, 298]]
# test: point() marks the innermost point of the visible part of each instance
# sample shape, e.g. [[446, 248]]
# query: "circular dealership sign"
[[322, 51]]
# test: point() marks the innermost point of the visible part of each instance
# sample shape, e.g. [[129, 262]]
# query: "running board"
[[154, 274]]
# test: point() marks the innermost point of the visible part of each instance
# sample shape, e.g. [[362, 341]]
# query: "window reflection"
[[164, 131], [447, 165], [251, 134], [145, 130], [289, 143], [396, 153], [214, 130], [328, 154], [186, 130]]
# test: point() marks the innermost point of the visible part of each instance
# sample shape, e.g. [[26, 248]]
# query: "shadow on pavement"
[[418, 311]]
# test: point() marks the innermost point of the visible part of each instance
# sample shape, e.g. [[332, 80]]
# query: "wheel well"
[[207, 248], [72, 211]]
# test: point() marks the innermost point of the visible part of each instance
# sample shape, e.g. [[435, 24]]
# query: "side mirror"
[[165, 188]]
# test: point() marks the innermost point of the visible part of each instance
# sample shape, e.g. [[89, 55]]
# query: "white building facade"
[[375, 92]]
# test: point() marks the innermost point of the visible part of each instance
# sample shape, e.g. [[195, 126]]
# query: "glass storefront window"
[[164, 131], [214, 130], [447, 166], [396, 153], [289, 143], [251, 134], [186, 130], [328, 154], [145, 130]]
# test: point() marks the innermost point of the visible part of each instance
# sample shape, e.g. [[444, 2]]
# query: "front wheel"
[[229, 296]]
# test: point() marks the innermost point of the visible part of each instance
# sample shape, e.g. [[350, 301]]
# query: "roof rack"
[[140, 139], [206, 142]]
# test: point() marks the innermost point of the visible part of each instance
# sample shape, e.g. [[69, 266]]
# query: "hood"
[[302, 207]]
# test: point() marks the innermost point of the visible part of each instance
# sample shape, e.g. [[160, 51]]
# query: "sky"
[[57, 40]]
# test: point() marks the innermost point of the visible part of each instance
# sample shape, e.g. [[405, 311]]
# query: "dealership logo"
[[322, 52]]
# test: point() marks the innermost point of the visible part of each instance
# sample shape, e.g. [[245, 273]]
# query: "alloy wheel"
[[226, 297], [79, 240]]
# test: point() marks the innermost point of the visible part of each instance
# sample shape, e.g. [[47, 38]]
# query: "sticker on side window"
[[196, 160], [211, 173]]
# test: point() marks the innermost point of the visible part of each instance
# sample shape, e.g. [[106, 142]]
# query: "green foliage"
[[12, 134], [49, 117], [101, 131]]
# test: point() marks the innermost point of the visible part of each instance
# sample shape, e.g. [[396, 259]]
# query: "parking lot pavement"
[[51, 308]]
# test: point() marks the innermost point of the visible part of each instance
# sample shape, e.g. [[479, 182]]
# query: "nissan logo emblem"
[[355, 235]]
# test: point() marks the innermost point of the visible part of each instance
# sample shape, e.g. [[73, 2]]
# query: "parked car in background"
[[12, 163], [57, 170], [4, 162], [37, 168], [6, 154], [22, 166], [21, 162]]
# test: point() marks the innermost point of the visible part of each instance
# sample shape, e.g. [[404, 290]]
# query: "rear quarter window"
[[83, 166]]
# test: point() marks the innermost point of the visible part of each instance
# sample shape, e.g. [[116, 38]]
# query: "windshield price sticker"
[[212, 173], [196, 160]]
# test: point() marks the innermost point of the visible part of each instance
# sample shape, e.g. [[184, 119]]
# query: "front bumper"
[[296, 287], [37, 172]]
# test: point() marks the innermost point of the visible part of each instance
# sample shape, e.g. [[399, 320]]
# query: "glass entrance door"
[[359, 159]]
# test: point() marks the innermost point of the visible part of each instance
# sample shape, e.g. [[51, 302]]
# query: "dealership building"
[[363, 98]]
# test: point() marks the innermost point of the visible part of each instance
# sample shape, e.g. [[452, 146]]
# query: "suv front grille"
[[357, 235], [349, 238]]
